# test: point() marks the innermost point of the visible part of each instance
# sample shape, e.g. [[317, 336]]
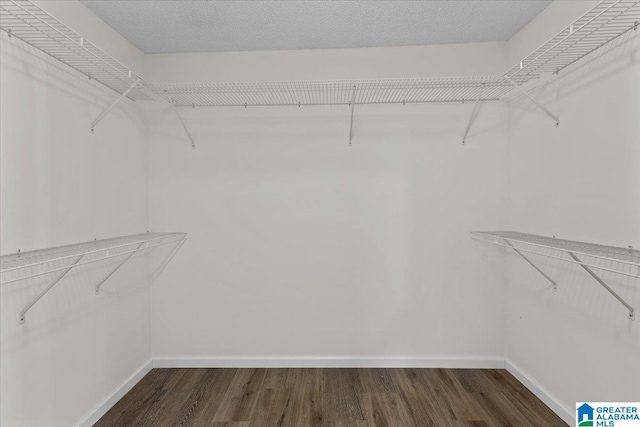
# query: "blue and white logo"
[[608, 414], [585, 415]]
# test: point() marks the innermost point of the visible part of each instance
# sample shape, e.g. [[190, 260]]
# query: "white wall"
[[301, 246], [60, 185], [580, 182], [396, 62]]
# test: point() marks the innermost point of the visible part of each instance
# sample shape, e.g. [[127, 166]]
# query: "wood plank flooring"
[[329, 397]]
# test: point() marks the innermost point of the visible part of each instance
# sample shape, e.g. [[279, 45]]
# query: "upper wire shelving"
[[336, 92], [34, 26], [600, 25], [605, 22], [589, 256], [55, 263]]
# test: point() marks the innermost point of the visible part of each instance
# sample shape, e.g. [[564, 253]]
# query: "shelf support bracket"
[[473, 115], [184, 126], [48, 288], [120, 264], [540, 106], [632, 313], [524, 257], [353, 103], [110, 107], [166, 261]]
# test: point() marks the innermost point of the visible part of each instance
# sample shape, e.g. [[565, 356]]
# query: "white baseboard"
[[542, 393], [104, 406], [328, 362]]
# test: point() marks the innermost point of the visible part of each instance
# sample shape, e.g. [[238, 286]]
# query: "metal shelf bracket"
[[555, 285], [168, 259], [184, 126], [353, 103], [532, 99], [110, 107], [473, 115], [632, 313], [117, 267], [48, 288]]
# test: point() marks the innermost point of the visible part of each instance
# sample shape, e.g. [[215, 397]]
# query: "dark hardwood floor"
[[329, 397]]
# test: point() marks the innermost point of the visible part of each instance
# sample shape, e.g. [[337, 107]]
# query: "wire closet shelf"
[[337, 92], [55, 263], [31, 24], [603, 23], [589, 256]]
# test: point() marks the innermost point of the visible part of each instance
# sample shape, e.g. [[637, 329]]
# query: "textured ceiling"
[[214, 26]]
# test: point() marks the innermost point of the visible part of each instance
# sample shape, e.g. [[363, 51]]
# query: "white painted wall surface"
[[60, 185], [326, 64], [301, 246], [580, 182]]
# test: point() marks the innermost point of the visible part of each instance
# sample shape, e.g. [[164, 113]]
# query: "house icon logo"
[[585, 415]]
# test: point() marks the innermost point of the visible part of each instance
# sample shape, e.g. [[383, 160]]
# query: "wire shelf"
[[29, 23], [60, 260], [45, 261], [589, 256], [337, 92], [605, 22], [608, 253]]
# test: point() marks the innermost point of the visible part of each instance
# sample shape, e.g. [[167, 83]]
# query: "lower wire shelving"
[[589, 256], [58, 261]]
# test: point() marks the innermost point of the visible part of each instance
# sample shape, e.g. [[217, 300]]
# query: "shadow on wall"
[[53, 74], [607, 61], [437, 125], [579, 298]]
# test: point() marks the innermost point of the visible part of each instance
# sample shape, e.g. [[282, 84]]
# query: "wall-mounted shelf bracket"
[[353, 104], [524, 257], [632, 313], [168, 259], [110, 107], [48, 288], [555, 118], [473, 115], [117, 267], [184, 126]]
